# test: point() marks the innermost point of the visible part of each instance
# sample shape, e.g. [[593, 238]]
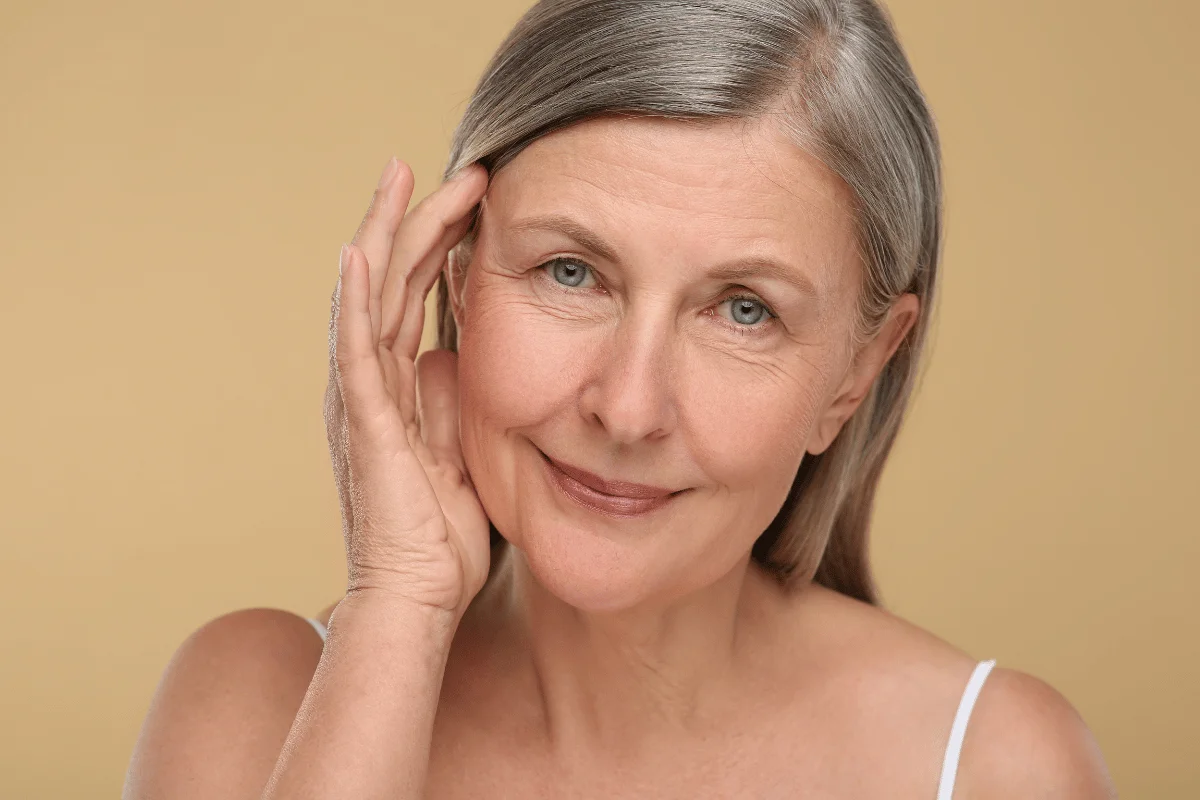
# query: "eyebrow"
[[735, 270], [557, 223]]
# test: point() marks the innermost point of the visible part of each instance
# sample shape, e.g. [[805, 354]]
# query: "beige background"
[[174, 187]]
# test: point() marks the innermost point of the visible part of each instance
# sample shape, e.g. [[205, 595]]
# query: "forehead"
[[724, 186]]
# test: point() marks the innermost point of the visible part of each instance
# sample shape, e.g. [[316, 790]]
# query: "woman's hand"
[[413, 525]]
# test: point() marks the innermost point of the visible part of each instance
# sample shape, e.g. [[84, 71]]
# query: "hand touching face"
[[414, 528], [656, 303]]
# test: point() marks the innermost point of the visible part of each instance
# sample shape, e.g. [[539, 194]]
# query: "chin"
[[588, 570]]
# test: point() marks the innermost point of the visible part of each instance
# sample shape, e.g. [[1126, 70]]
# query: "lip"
[[616, 498]]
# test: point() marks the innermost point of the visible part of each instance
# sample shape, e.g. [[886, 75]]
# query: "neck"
[[609, 682]]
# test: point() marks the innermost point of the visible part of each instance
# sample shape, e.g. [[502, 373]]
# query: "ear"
[[864, 368]]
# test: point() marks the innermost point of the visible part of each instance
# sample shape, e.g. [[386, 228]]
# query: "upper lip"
[[615, 488]]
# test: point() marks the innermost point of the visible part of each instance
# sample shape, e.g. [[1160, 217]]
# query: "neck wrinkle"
[[610, 683]]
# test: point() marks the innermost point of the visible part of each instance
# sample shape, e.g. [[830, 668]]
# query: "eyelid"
[[761, 329], [740, 294], [748, 295], [542, 267]]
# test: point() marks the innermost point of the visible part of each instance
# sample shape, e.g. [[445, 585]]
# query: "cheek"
[[513, 367], [749, 437], [518, 360], [749, 423], [518, 368]]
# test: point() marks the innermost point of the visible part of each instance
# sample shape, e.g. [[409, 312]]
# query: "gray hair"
[[835, 76]]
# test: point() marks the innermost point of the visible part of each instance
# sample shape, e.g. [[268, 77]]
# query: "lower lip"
[[603, 503]]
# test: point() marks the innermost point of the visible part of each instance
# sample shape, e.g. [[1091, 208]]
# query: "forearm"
[[365, 726]]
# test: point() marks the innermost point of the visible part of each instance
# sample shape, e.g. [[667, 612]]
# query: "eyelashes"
[[570, 268], [740, 302], [570, 274]]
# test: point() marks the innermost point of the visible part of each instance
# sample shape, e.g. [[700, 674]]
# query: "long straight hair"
[[833, 75]]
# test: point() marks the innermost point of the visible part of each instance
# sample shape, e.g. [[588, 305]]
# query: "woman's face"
[[660, 303]]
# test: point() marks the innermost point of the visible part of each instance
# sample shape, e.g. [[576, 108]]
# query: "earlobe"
[[830, 423], [826, 429]]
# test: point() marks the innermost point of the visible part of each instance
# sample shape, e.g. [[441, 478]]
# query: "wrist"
[[390, 614]]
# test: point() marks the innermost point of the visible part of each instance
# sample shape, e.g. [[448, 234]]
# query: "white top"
[[322, 631], [957, 731]]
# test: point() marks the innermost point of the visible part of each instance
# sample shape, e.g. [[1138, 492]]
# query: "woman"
[[609, 540]]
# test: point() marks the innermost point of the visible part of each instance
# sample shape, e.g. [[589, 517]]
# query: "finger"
[[437, 393], [356, 358], [420, 238], [377, 231], [334, 300], [422, 230], [421, 281], [337, 437]]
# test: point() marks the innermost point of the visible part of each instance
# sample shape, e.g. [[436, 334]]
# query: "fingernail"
[[343, 258], [389, 172]]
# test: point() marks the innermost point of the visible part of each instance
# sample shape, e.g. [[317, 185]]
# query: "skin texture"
[[603, 657], [640, 373]]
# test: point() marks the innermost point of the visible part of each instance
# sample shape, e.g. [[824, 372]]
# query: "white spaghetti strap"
[[318, 627], [959, 730]]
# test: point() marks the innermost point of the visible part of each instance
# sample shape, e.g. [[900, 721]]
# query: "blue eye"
[[568, 271], [747, 311]]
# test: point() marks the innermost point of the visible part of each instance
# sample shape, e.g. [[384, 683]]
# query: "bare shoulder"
[[863, 641], [1026, 740], [223, 707]]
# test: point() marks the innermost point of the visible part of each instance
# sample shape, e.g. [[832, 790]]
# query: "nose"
[[632, 392]]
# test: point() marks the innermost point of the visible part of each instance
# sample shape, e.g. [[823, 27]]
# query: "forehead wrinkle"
[[708, 176], [676, 196], [758, 148], [749, 203], [775, 229], [619, 143]]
